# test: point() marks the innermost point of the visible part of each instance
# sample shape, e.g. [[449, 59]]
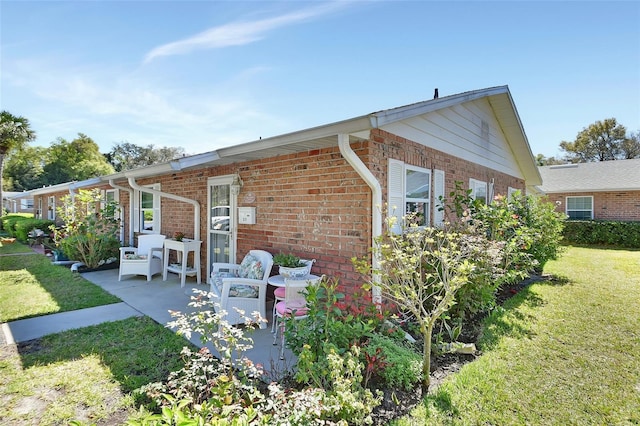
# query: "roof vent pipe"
[[196, 205]]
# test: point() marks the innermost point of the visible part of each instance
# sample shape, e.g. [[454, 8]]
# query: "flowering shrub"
[[90, 230], [230, 391]]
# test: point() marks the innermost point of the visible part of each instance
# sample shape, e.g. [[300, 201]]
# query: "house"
[[604, 190], [319, 193], [17, 202]]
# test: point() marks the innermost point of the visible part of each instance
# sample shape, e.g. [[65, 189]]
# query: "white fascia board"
[[85, 183], [61, 187], [196, 160], [350, 126]]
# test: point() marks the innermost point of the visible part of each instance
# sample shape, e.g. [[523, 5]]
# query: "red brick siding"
[[615, 205], [311, 204]]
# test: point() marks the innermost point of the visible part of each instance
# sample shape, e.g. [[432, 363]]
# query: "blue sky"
[[208, 74]]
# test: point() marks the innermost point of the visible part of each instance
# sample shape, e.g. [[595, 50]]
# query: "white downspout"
[[376, 200], [131, 217], [196, 205]]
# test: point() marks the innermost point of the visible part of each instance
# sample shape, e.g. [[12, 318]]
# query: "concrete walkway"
[[154, 299], [34, 328]]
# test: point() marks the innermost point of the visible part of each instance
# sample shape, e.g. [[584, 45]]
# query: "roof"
[[616, 175], [326, 136]]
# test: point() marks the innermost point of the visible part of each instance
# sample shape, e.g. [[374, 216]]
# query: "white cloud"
[[239, 33], [111, 106]]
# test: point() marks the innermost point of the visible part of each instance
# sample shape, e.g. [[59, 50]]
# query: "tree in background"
[[631, 146], [77, 160], [541, 160], [15, 132], [127, 156], [602, 141], [24, 169]]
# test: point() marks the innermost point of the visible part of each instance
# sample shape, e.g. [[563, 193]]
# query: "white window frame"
[[474, 185], [114, 195], [398, 202], [510, 192], [139, 211], [51, 208], [567, 209]]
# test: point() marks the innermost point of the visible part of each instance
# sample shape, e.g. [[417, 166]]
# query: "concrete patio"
[[156, 298]]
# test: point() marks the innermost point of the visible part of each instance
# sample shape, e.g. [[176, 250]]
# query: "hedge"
[[596, 232], [23, 227], [8, 222]]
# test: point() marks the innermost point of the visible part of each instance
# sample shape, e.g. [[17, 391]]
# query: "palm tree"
[[15, 132]]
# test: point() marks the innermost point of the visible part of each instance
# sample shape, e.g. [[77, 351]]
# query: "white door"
[[222, 222]]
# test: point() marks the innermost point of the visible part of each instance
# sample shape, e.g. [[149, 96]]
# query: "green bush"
[[400, 365], [524, 233], [23, 227], [9, 222], [334, 322], [596, 232]]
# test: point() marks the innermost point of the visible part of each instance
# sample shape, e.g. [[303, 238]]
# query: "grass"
[[32, 286], [87, 374], [13, 248], [564, 352]]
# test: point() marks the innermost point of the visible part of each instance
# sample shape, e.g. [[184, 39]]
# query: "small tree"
[[15, 132], [90, 230], [420, 269]]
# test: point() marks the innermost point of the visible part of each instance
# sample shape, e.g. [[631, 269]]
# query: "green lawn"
[[15, 247], [31, 286], [564, 352], [86, 374]]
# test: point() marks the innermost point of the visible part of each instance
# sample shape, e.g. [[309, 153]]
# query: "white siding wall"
[[458, 131]]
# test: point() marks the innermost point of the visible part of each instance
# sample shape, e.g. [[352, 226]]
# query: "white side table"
[[182, 248]]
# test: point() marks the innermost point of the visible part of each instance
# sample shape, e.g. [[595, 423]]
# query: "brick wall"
[[615, 205], [312, 204]]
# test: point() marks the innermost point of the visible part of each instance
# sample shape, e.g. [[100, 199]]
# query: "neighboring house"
[[320, 193], [603, 190], [18, 202]]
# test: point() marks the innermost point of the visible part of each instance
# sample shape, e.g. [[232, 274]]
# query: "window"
[[511, 192], [147, 211], [580, 207], [412, 191], [478, 190], [26, 203], [51, 208], [111, 196]]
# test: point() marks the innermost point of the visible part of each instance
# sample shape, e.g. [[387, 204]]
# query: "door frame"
[[233, 218]]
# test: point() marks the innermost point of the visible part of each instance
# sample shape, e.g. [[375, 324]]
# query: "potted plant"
[[178, 236], [291, 266]]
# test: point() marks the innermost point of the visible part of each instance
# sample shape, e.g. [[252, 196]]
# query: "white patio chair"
[[294, 305], [242, 286], [146, 259]]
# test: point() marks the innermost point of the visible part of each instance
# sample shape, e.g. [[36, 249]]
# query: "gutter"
[[376, 201], [194, 203]]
